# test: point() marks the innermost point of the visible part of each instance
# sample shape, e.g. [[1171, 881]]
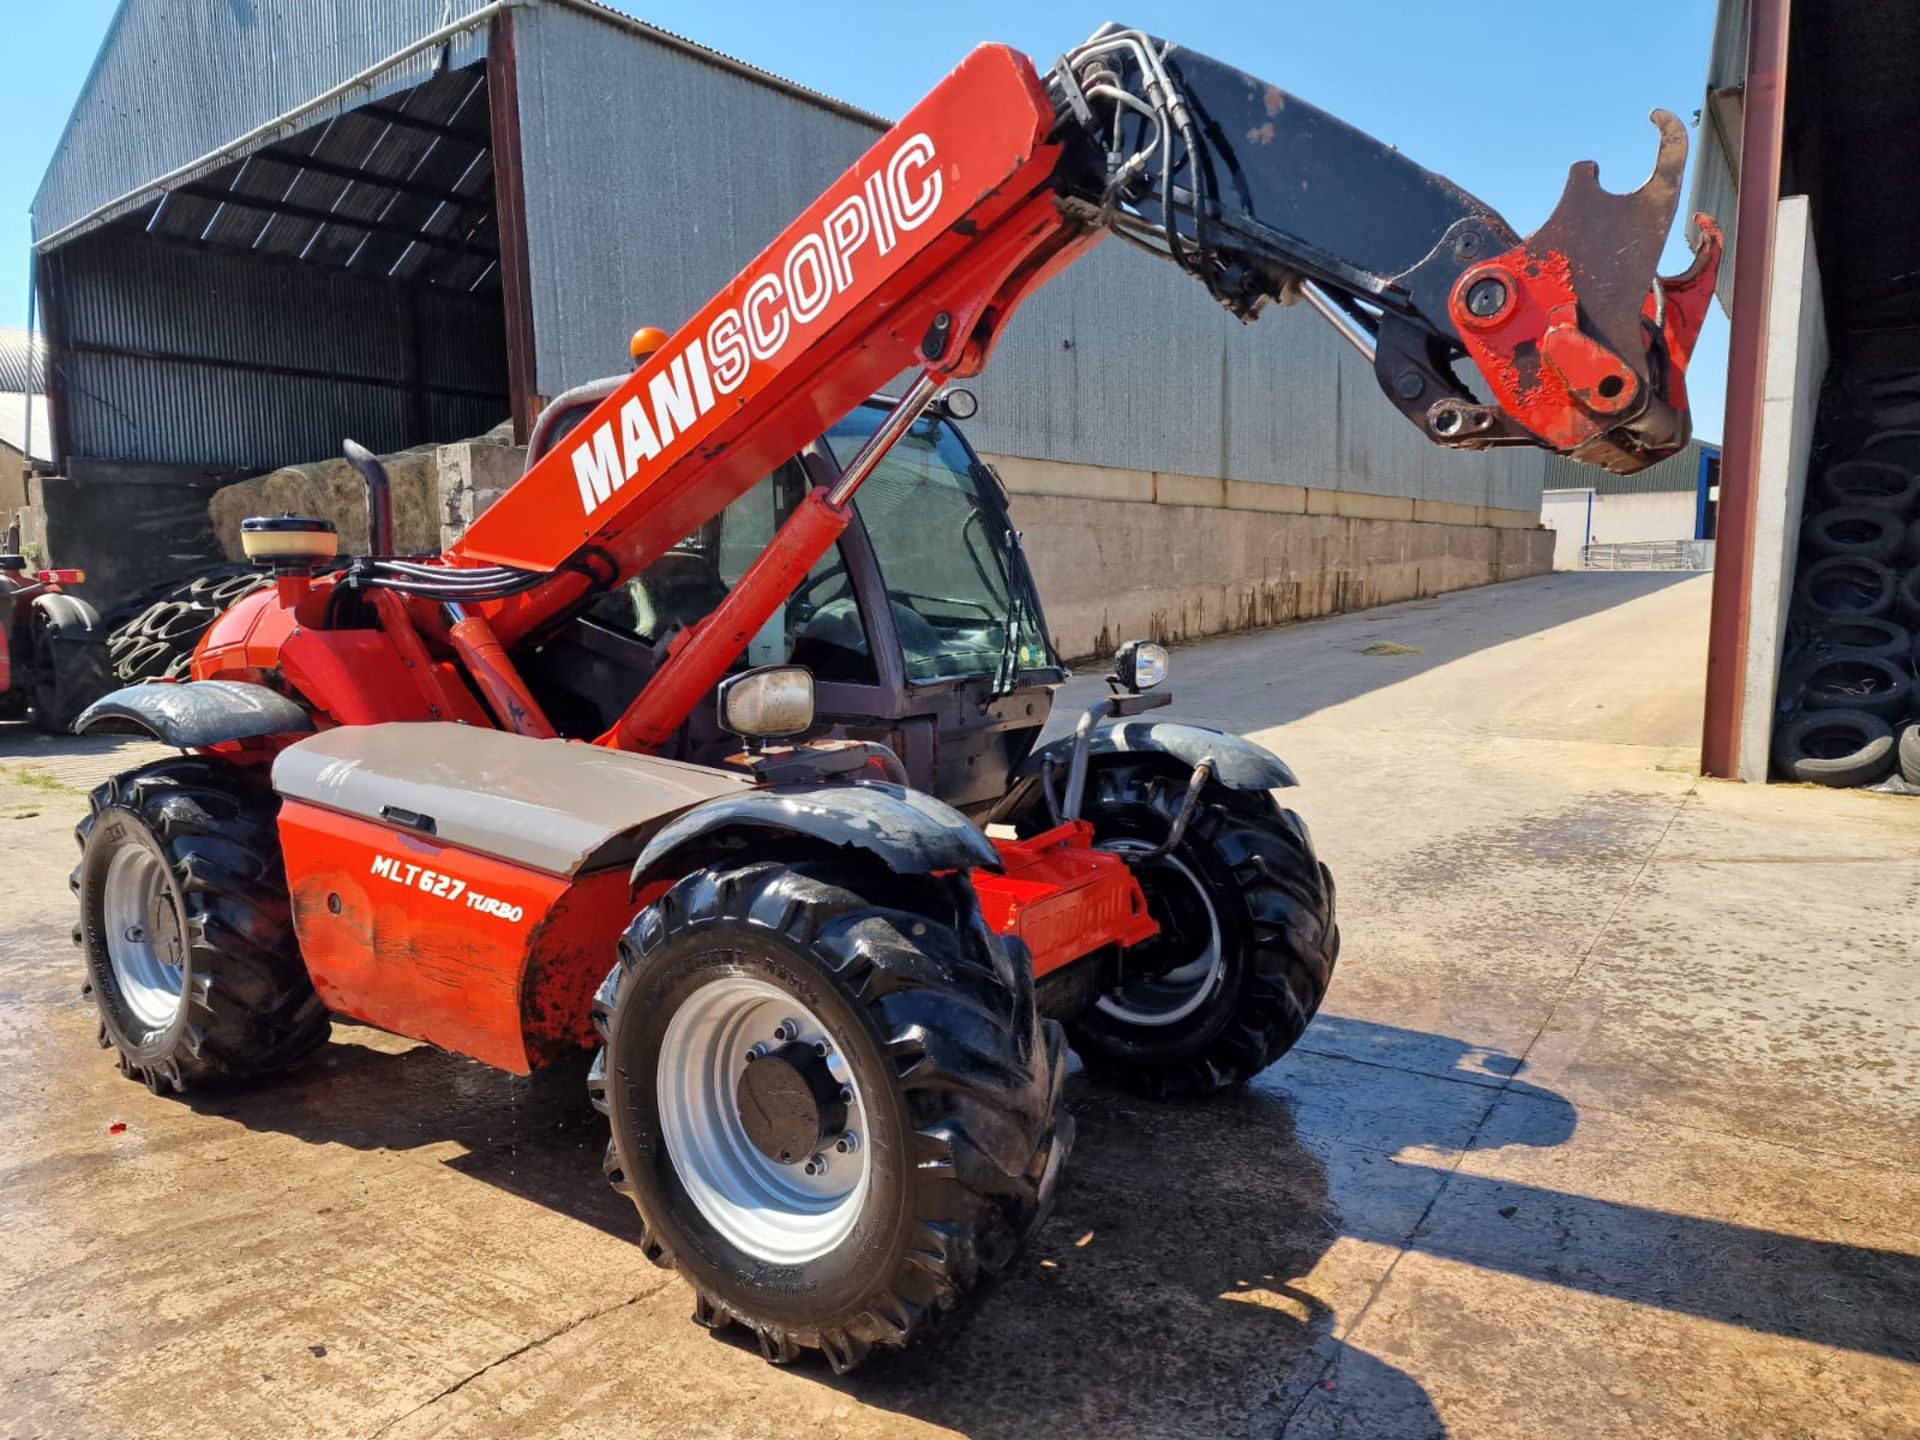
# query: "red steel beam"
[[1761, 140]]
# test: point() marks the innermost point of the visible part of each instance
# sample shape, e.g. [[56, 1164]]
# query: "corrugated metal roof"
[[402, 189], [174, 83], [22, 361], [721, 59], [13, 424]]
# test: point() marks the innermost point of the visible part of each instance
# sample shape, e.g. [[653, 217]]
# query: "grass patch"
[[1389, 647], [39, 780]]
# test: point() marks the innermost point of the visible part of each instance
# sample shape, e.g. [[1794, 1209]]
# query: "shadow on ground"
[[1163, 1294], [1267, 678]]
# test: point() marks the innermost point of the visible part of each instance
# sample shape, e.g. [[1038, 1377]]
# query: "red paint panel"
[[466, 951], [1063, 898], [414, 936]]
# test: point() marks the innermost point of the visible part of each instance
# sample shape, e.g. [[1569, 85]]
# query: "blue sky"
[[1501, 104]]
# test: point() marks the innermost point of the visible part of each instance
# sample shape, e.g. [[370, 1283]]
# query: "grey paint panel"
[[198, 713], [554, 805], [1238, 763], [913, 833]]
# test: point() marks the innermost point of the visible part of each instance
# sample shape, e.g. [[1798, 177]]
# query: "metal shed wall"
[[174, 82], [651, 178], [1123, 362], [127, 301], [1675, 473]]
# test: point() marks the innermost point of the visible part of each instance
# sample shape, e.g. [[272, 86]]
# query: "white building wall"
[[1581, 517], [1797, 357]]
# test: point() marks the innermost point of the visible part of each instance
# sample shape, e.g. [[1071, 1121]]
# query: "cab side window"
[[819, 626]]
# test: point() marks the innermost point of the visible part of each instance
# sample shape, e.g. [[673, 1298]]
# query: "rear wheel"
[[185, 928], [1247, 939], [836, 1116], [77, 673]]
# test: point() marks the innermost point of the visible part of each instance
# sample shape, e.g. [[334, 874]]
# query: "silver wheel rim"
[[775, 1212], [145, 946], [1170, 998]]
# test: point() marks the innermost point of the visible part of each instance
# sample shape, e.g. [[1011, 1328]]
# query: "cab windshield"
[[955, 581]]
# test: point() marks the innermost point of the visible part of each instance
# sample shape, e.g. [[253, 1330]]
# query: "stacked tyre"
[[153, 635], [1850, 691]]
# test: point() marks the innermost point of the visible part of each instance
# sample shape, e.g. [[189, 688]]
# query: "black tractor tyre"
[[77, 673], [1870, 531], [1899, 448], [1246, 875], [1907, 601], [1841, 748], [1868, 637], [185, 928], [942, 1061], [153, 638], [1845, 587], [1850, 681], [1869, 481]]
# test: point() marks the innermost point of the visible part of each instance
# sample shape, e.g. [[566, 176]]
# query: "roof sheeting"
[[22, 361], [174, 83], [400, 190], [14, 409]]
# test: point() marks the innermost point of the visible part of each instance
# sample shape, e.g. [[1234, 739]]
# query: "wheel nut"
[[822, 1049], [817, 1165], [787, 1030], [756, 1053], [846, 1094], [847, 1143], [136, 934]]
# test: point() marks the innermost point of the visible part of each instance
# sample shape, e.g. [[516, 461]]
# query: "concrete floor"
[[1611, 1128]]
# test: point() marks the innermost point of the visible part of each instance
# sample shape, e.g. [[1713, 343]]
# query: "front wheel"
[[831, 1099], [1247, 938]]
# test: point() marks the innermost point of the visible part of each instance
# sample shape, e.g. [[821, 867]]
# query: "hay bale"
[[332, 490]]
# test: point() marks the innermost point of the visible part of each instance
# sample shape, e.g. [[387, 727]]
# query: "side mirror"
[[957, 404], [771, 703], [1140, 665]]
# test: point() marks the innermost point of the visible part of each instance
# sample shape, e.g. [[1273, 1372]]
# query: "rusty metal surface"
[[1746, 371]]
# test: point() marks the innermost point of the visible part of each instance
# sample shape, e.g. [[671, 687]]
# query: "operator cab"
[[922, 627]]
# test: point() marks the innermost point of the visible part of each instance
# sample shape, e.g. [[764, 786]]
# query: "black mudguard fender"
[[909, 832], [68, 617], [1238, 763], [195, 714]]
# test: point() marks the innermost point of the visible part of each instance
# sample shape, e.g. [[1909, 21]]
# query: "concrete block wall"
[[1126, 554]]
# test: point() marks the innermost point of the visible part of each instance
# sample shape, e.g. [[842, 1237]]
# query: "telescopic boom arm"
[[992, 184]]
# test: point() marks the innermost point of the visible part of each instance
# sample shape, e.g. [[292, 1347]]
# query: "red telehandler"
[[570, 783]]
